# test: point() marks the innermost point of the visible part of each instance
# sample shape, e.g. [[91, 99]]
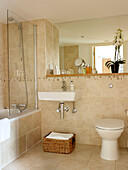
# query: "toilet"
[[109, 130]]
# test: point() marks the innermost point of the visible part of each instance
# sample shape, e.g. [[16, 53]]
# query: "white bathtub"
[[20, 132]]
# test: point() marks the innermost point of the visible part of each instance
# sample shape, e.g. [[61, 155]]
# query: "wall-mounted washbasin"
[[60, 96]]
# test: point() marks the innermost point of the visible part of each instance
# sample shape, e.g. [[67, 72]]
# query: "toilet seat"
[[110, 124]]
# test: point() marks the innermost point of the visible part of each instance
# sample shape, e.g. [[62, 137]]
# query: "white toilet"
[[109, 130]]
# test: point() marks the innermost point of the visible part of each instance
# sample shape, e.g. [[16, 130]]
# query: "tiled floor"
[[84, 157]]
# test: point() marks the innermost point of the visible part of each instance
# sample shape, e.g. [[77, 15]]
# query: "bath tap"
[[18, 106], [64, 87]]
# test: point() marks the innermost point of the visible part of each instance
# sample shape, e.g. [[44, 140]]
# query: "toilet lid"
[[110, 124]]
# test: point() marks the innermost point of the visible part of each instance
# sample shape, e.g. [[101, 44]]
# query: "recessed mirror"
[[92, 42]]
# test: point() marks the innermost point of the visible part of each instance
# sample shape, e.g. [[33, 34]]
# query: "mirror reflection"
[[85, 46]]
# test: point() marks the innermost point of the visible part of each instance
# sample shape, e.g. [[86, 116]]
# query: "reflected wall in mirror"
[[92, 41]]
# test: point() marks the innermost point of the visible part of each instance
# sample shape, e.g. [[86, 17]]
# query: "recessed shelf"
[[77, 75]]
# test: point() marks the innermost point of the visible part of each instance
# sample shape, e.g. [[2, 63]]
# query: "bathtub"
[[25, 132], [4, 113]]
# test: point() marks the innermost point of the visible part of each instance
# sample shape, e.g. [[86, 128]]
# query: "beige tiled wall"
[[98, 100], [3, 66], [25, 133], [41, 43]]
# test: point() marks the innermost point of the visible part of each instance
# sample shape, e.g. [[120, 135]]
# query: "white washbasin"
[[60, 96], [4, 129]]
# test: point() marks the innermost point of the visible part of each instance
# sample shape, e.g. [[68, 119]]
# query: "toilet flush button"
[[110, 85]]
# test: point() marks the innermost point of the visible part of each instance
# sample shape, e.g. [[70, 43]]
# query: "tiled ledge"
[[105, 76], [79, 75]]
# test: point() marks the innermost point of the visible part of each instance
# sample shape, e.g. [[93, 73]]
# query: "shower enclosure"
[[21, 36]]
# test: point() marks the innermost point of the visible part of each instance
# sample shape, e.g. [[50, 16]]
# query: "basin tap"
[[64, 87]]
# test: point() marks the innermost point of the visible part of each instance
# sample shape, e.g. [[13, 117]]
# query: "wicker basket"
[[58, 146]]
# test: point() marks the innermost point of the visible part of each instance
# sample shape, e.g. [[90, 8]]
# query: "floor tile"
[[101, 165], [84, 157], [71, 164]]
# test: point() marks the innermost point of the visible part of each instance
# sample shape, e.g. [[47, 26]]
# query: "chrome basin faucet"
[[64, 87]]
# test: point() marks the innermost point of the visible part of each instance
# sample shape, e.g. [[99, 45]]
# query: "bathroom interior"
[[43, 90]]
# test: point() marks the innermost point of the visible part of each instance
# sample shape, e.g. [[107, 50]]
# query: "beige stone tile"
[[22, 144], [82, 152], [123, 158], [80, 158], [70, 164], [121, 167], [33, 137], [96, 165], [29, 123], [123, 139], [30, 157], [36, 118], [15, 166], [47, 164], [96, 154], [46, 130], [22, 126]]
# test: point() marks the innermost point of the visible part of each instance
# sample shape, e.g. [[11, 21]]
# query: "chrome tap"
[[19, 106], [64, 87]]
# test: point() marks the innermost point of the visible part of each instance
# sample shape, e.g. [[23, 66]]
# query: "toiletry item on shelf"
[[94, 71], [72, 88], [84, 70], [55, 70], [88, 69], [79, 70], [70, 71], [50, 69], [58, 71], [63, 72]]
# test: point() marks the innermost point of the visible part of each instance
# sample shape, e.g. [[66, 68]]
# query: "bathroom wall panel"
[[3, 66], [98, 100]]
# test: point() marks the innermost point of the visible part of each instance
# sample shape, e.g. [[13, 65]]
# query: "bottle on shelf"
[[84, 70], [88, 69]]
